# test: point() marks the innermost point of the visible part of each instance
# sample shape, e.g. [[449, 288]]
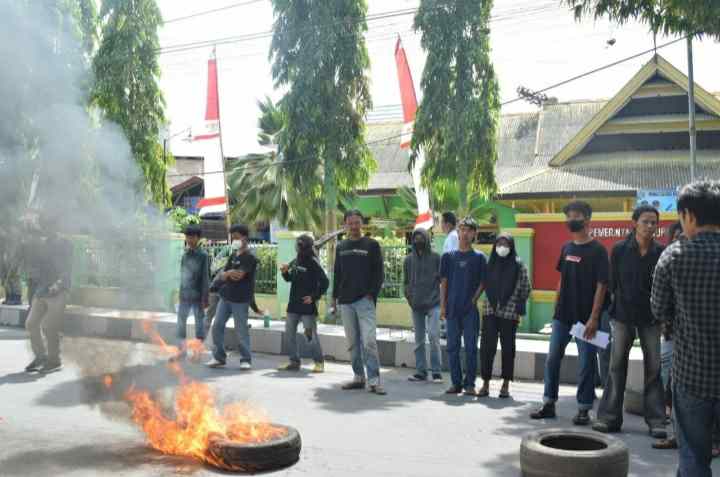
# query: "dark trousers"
[[694, 417], [610, 410], [492, 327], [465, 327]]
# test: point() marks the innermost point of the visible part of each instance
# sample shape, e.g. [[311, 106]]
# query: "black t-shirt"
[[307, 278], [240, 291], [581, 268]]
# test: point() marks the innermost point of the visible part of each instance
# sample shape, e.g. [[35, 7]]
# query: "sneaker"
[[470, 392], [377, 389], [545, 412], [319, 367], [658, 433], [215, 363], [36, 364], [582, 418], [291, 366], [437, 378], [605, 428], [453, 390], [417, 377], [354, 384], [245, 366], [48, 367]]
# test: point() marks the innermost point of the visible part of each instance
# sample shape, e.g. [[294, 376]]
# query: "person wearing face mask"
[[308, 282], [236, 293], [686, 294], [421, 279], [507, 291], [584, 276], [632, 263]]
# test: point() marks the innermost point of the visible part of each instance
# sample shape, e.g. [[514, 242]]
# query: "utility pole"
[[330, 221], [691, 110]]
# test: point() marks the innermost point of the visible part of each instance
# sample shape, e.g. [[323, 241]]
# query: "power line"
[[215, 10], [519, 98], [179, 48]]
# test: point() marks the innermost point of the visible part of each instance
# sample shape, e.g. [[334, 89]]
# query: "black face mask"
[[419, 244], [575, 225]]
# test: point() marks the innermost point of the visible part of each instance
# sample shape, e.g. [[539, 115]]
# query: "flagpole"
[[220, 142]]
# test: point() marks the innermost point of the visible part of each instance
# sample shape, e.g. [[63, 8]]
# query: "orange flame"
[[197, 422], [107, 381], [196, 348]]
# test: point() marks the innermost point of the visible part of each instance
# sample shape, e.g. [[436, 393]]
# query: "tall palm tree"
[[264, 188]]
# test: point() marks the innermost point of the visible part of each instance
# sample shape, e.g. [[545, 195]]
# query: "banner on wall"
[[664, 200]]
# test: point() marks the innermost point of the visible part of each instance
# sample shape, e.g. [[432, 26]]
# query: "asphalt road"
[[68, 424]]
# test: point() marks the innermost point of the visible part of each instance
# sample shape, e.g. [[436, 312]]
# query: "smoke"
[[56, 154], [61, 159]]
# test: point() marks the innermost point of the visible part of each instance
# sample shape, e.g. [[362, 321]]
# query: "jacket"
[[421, 276]]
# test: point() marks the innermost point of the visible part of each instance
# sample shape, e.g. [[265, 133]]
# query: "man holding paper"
[[632, 264], [583, 268]]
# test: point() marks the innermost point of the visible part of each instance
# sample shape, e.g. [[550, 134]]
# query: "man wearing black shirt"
[[583, 268], [236, 293], [632, 264], [357, 282], [308, 283]]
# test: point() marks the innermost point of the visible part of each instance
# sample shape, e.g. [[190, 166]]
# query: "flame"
[[196, 348], [107, 381], [156, 339], [197, 421]]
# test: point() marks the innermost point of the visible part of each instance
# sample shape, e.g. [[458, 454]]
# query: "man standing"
[[421, 279], [583, 268], [194, 287], [48, 265], [449, 222], [632, 264], [686, 293], [236, 294], [357, 281], [462, 280]]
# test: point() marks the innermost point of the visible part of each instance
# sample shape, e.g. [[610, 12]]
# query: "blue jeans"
[[694, 431], [466, 327], [239, 312], [427, 323], [587, 367], [310, 324], [361, 333], [184, 310]]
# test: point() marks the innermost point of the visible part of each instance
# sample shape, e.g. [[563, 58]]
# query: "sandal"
[[504, 393], [665, 444]]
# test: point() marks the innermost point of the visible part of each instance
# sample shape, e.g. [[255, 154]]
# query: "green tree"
[[671, 17], [264, 188], [319, 55], [456, 123], [127, 87]]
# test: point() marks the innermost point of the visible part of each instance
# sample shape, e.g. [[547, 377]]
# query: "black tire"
[[634, 402], [252, 458], [608, 456]]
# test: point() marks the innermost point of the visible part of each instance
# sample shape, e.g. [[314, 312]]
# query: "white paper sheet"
[[601, 339]]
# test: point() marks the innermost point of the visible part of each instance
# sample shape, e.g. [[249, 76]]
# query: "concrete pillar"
[[524, 246], [285, 254]]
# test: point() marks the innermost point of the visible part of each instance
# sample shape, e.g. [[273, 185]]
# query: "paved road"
[[66, 424]]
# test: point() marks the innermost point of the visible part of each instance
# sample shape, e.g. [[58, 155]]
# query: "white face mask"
[[503, 251], [236, 245]]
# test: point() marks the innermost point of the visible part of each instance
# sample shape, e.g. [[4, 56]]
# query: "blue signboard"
[[664, 200]]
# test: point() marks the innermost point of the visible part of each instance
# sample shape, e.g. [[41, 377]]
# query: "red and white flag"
[[209, 133], [410, 105]]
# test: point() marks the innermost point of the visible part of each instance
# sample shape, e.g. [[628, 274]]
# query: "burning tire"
[[566, 453], [239, 457]]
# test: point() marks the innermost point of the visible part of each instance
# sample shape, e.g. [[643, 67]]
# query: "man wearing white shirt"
[[449, 222]]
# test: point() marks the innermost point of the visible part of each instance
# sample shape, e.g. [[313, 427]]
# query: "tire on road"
[[251, 458], [566, 453]]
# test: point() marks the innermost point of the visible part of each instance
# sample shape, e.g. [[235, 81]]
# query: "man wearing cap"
[[462, 280]]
